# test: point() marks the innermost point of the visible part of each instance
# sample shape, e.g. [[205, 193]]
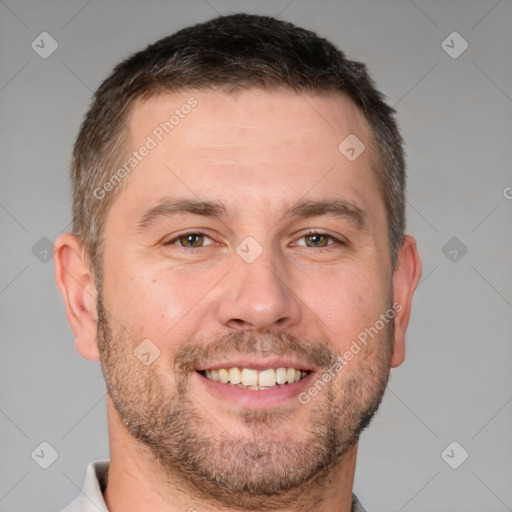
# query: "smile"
[[249, 378]]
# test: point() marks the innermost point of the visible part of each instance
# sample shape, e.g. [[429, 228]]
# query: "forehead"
[[249, 120], [255, 148]]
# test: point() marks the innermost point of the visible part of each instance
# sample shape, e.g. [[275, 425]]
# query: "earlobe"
[[76, 284], [405, 281]]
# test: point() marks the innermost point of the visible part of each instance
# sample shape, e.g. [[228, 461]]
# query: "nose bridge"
[[258, 295]]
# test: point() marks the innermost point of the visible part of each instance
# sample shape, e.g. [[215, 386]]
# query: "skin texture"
[[174, 444]]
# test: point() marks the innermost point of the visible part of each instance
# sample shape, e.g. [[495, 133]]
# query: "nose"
[[258, 297]]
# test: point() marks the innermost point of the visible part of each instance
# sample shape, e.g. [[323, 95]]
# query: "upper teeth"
[[250, 377]]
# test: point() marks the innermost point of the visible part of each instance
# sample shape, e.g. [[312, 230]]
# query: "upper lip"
[[259, 364]]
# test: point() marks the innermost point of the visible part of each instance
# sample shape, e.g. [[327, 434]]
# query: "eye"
[[319, 240], [196, 240], [190, 240]]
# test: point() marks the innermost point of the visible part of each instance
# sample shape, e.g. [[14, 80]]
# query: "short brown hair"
[[232, 53]]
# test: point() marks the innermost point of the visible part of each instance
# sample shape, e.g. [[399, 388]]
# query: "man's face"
[[250, 288]]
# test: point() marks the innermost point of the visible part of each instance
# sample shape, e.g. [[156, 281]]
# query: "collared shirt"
[[91, 499]]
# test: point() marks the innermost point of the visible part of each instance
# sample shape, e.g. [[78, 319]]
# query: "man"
[[239, 266]]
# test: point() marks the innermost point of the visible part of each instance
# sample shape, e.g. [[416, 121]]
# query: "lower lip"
[[256, 397]]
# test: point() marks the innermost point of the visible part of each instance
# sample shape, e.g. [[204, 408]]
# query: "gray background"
[[455, 113]]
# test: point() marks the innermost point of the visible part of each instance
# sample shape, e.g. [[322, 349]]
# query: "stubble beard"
[[262, 471]]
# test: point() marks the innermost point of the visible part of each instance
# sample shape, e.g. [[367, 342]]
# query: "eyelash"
[[336, 240]]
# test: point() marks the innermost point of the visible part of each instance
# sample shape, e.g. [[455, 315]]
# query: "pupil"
[[190, 239], [315, 239]]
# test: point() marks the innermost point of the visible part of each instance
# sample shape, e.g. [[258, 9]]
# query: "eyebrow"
[[335, 207], [304, 208], [174, 207]]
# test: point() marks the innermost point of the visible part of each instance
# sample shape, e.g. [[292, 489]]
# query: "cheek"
[[351, 301], [156, 302]]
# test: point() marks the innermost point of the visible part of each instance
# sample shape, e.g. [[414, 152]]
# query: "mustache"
[[198, 352]]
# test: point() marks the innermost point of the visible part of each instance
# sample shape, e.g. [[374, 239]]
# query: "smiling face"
[[246, 239]]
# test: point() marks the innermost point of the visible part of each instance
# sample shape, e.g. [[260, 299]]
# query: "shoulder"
[[356, 505], [90, 497]]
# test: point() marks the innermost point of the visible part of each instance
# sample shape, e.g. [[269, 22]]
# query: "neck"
[[136, 482]]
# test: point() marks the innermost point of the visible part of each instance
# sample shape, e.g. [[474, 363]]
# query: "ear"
[[405, 281], [76, 284]]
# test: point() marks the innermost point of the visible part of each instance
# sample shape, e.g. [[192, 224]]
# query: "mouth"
[[255, 385], [254, 379]]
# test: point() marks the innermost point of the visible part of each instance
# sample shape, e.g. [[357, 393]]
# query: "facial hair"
[[263, 471]]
